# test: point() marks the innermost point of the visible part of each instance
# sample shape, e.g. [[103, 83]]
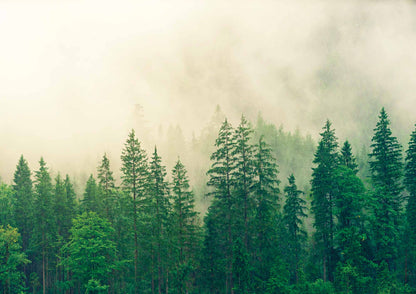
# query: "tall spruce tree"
[[92, 200], [266, 217], [160, 208], [410, 233], [243, 175], [134, 180], [186, 231], [386, 174], [23, 201], [107, 185], [353, 268], [323, 196], [347, 158], [44, 224], [220, 216], [293, 213]]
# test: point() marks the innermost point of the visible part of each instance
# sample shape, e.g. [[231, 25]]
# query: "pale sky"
[[72, 71]]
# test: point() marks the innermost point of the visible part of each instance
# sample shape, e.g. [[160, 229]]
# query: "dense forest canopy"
[[246, 229]]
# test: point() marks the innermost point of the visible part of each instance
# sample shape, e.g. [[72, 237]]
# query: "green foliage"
[[90, 252], [386, 171], [185, 229], [293, 213], [11, 260], [134, 181], [323, 197], [266, 213], [6, 206], [106, 185], [159, 209], [410, 228], [23, 201]]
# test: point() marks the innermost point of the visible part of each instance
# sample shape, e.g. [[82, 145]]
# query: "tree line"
[[145, 236]]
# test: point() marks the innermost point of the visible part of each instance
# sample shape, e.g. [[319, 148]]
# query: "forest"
[[349, 227]]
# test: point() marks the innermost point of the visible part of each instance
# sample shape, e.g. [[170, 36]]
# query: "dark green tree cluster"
[[145, 236]]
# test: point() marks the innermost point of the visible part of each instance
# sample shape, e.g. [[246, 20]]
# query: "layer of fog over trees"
[[72, 73], [76, 78]]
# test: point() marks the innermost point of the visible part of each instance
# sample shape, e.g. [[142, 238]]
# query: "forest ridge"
[[146, 236]]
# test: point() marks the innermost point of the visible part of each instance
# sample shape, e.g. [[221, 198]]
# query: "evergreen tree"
[[134, 180], [347, 158], [107, 185], [92, 200], [353, 268], [386, 174], [6, 205], [323, 196], [266, 216], [220, 216], [23, 201], [410, 233], [160, 209], [186, 231], [293, 212], [70, 207], [44, 225], [243, 175], [59, 205]]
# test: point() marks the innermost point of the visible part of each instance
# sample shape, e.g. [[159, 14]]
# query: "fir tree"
[[410, 182], [220, 217], [244, 177], [91, 200], [134, 180], [323, 196], [23, 201], [347, 158], [386, 174], [160, 208], [266, 218], [293, 212], [186, 231], [107, 185], [44, 225]]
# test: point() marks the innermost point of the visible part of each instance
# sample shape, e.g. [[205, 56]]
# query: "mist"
[[76, 76]]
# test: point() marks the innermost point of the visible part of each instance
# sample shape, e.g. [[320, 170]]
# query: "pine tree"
[[347, 158], [293, 212], [186, 231], [23, 201], [244, 178], [410, 182], [352, 272], [220, 217], [160, 208], [386, 174], [70, 207], [92, 200], [44, 225], [107, 185], [266, 216], [59, 205], [323, 196], [134, 180]]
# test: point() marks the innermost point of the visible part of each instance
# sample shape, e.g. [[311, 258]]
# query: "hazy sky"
[[72, 71]]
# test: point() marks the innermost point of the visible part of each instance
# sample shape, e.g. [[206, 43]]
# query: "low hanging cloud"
[[72, 72]]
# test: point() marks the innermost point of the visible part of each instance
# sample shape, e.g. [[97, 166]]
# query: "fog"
[[76, 76]]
